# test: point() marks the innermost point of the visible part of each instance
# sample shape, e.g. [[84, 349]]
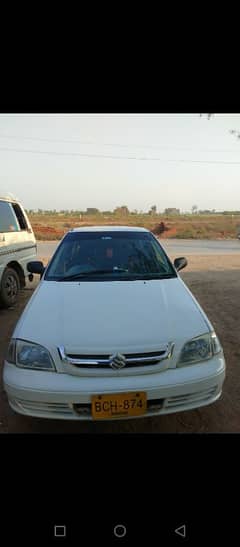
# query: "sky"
[[75, 161]]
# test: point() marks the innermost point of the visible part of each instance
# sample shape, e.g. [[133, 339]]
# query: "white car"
[[112, 332]]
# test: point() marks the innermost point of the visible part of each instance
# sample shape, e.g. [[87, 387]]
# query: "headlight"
[[199, 349], [28, 355]]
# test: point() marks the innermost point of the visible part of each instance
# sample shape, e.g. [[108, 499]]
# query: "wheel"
[[9, 288]]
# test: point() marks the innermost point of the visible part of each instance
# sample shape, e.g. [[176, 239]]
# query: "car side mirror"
[[180, 263], [36, 267]]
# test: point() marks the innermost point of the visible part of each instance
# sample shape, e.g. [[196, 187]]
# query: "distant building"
[[92, 211], [172, 211]]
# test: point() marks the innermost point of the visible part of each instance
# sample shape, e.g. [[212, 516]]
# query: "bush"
[[159, 229], [185, 234]]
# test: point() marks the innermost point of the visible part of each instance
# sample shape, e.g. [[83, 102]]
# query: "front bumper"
[[54, 395]]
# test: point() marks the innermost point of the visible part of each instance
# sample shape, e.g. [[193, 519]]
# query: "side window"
[[20, 216], [8, 221]]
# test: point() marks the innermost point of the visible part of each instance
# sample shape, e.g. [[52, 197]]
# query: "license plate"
[[119, 405]]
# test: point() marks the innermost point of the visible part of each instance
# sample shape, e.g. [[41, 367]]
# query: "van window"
[[8, 221], [20, 216]]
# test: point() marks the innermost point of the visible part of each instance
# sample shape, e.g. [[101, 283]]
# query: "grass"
[[53, 226]]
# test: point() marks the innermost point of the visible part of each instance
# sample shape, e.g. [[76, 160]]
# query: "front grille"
[[190, 398], [163, 405], [128, 360], [43, 407], [74, 411], [127, 355], [146, 359]]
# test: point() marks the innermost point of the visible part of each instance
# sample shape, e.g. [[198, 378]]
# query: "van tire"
[[9, 288]]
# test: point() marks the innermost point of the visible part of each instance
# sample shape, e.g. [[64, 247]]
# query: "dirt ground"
[[215, 282]]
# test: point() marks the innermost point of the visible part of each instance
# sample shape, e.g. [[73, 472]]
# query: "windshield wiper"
[[130, 277], [163, 276], [151, 276], [91, 272]]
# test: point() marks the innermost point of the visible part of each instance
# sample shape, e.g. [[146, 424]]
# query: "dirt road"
[[215, 281]]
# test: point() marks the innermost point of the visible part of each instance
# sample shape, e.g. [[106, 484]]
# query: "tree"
[[194, 209], [153, 210]]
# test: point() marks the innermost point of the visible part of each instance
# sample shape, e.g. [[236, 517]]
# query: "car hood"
[[99, 317]]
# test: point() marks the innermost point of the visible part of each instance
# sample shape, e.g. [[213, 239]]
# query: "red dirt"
[[171, 232]]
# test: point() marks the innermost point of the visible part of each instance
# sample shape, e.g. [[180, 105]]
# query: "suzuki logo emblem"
[[117, 361]]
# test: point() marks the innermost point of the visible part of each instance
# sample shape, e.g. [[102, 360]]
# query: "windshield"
[[109, 256]]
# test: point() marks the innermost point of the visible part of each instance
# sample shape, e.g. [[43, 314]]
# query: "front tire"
[[9, 288]]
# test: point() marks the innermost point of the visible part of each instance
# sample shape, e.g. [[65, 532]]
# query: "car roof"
[[9, 199], [109, 229]]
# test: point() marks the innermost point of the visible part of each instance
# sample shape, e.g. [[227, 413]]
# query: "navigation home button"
[[181, 531], [119, 530]]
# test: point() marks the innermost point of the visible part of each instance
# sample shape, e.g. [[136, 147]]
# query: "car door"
[[9, 230]]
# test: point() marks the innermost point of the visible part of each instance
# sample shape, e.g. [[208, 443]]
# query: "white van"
[[17, 248]]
